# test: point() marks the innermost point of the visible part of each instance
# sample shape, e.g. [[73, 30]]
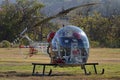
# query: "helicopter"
[[67, 46]]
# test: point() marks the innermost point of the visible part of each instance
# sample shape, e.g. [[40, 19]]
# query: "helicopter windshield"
[[71, 34], [70, 41]]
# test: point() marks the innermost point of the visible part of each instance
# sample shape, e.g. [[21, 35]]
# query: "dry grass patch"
[[13, 66]]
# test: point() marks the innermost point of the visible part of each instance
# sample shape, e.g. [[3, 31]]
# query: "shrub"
[[94, 44], [5, 44]]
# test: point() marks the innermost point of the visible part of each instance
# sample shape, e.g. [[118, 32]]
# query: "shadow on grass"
[[23, 74], [14, 73], [11, 74]]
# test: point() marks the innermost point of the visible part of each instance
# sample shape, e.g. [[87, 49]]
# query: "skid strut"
[[43, 72], [94, 67], [83, 66]]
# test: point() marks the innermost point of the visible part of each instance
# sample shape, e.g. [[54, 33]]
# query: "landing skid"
[[83, 66]]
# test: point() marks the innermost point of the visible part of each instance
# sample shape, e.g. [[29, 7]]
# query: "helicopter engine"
[[70, 45]]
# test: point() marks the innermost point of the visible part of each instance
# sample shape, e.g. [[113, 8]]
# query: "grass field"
[[14, 66]]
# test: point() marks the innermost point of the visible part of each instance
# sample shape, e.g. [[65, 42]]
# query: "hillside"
[[106, 8]]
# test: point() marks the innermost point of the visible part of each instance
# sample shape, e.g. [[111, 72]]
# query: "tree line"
[[101, 31], [15, 17]]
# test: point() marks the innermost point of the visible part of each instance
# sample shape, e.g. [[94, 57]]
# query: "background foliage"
[[102, 31], [15, 17]]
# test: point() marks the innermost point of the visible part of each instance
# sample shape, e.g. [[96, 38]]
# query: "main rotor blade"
[[62, 13]]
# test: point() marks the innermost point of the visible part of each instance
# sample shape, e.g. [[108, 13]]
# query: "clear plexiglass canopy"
[[71, 43]]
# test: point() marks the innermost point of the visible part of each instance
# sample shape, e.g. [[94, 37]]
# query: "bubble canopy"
[[70, 45], [71, 34]]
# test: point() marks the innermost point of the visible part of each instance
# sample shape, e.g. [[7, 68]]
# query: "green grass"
[[14, 67]]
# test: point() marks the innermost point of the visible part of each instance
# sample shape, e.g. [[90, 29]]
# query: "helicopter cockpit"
[[70, 45]]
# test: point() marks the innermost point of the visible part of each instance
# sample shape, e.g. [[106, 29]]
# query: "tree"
[[14, 17], [100, 29]]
